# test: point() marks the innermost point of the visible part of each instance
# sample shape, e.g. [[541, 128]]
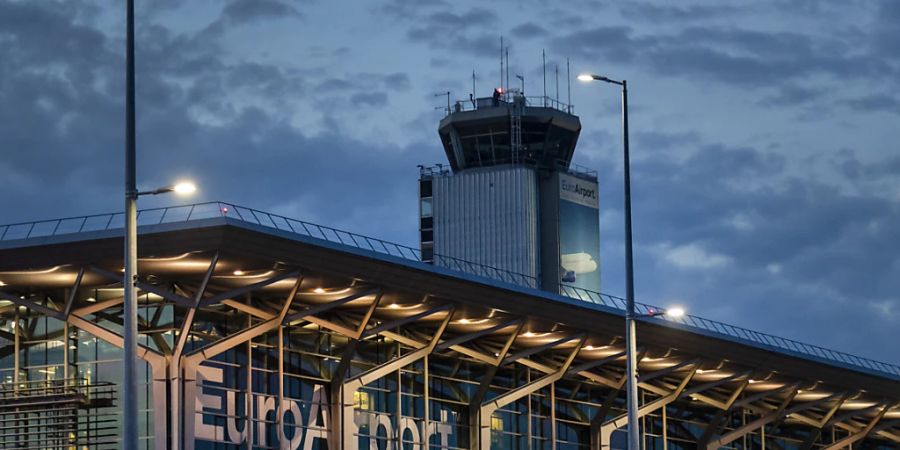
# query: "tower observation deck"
[[509, 128]]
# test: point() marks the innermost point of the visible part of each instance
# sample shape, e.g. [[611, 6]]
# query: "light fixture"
[[675, 312], [238, 272], [184, 188], [464, 321], [2, 283], [319, 290], [528, 334], [393, 306], [585, 77]]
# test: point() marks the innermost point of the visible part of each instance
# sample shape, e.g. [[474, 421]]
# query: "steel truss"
[[437, 326]]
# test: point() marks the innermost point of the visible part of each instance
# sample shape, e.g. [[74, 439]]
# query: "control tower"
[[510, 198]]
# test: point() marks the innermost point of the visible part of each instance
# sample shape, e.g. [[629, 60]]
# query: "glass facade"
[[425, 404]]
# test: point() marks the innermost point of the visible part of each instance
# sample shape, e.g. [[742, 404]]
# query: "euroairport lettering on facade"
[[305, 425]]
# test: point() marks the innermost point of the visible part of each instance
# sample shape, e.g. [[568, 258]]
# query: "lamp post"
[[129, 376], [630, 315], [630, 345]]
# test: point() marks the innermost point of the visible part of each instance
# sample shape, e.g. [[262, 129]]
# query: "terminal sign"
[[316, 423]]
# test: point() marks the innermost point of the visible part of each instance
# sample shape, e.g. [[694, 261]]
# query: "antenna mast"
[[569, 83], [444, 94], [544, 65], [507, 71], [473, 88], [502, 91]]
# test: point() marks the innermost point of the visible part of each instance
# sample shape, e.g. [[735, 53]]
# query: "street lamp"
[[130, 332], [630, 345], [129, 388]]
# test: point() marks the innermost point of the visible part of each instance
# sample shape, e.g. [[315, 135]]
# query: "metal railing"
[[443, 170], [24, 390], [437, 170], [507, 99], [175, 214], [199, 211], [741, 333]]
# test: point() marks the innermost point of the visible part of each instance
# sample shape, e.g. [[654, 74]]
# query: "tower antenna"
[[473, 88], [544, 65], [569, 84], [557, 84], [501, 66], [507, 69], [444, 94]]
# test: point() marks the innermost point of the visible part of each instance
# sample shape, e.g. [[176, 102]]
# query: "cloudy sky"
[[764, 134]]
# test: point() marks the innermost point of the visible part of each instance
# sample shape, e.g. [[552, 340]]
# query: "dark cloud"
[[369, 98], [875, 103], [528, 30], [406, 9], [462, 32], [397, 81], [237, 13], [667, 14], [730, 55], [247, 11], [792, 95]]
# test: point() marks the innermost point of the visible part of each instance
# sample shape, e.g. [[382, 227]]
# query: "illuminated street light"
[[130, 314], [675, 312], [182, 188], [630, 344]]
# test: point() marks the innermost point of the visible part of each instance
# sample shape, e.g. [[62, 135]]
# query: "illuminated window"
[[496, 423], [361, 399]]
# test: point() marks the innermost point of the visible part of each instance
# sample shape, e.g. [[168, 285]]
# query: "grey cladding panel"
[[489, 216]]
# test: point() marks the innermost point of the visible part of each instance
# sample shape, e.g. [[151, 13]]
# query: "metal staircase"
[[57, 414]]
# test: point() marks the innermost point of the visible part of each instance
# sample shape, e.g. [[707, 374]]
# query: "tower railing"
[[507, 100], [208, 210]]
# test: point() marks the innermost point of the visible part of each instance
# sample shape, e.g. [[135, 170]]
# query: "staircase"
[[56, 414]]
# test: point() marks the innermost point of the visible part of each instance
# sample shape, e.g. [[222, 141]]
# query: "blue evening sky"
[[764, 134]]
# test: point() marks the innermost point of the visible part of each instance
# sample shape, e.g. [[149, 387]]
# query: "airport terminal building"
[[264, 332]]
